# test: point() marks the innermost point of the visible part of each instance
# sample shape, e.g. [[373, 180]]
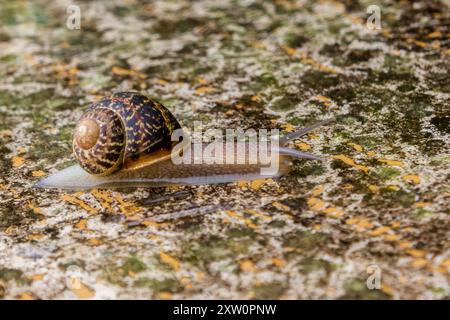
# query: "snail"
[[125, 140]]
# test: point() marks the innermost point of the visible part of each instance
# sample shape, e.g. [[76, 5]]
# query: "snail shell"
[[121, 128]]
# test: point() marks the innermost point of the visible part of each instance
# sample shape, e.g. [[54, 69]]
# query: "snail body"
[[125, 140]]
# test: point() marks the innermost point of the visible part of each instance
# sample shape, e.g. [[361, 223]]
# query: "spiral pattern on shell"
[[119, 128]]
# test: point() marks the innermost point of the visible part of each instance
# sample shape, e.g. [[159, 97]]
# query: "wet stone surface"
[[381, 198]]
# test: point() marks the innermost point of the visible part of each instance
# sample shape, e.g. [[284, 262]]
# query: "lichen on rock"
[[380, 198]]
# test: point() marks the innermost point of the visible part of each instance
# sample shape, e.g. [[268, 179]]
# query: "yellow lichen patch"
[[371, 153], [247, 266], [81, 224], [405, 244], [242, 183], [334, 212], [256, 98], [127, 72], [445, 263], [325, 100], [347, 186], [258, 45], [355, 146], [164, 295], [289, 249], [200, 276], [82, 291], [420, 43], [202, 90], [127, 208], [170, 261], [439, 269], [281, 206], [36, 277], [162, 82], [201, 80], [391, 237], [38, 173], [379, 231], [390, 162], [290, 51], [10, 230], [26, 296], [395, 224], [6, 133], [288, 127], [104, 199], [17, 161], [317, 190], [325, 68], [278, 262], [151, 223], [35, 209], [419, 263], [81, 203], [234, 214], [94, 242], [316, 204], [387, 289], [351, 162], [313, 136], [258, 214], [258, 183], [408, 230], [416, 253], [186, 282], [35, 236], [21, 150], [421, 204], [352, 221], [355, 20], [363, 224], [393, 187], [360, 224], [435, 45], [412, 178], [303, 146], [374, 188], [102, 195]]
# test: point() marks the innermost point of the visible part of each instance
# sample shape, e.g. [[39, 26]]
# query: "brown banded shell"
[[120, 128]]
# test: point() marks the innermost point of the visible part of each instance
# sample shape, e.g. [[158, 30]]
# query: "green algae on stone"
[[133, 265], [159, 285], [306, 240], [8, 274], [357, 289], [309, 265], [268, 291]]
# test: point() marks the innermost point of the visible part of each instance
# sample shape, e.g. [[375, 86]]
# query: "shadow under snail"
[[125, 140]]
